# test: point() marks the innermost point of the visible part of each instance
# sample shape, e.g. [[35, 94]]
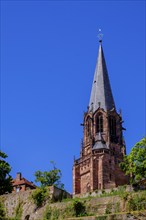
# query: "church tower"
[[103, 147]]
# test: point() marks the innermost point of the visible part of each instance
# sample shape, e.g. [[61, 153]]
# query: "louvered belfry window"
[[99, 124], [112, 125], [88, 126], [112, 128]]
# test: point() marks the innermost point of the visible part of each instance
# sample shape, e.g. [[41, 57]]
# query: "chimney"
[[18, 176]]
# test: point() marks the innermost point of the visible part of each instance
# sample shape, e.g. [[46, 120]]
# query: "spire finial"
[[100, 35]]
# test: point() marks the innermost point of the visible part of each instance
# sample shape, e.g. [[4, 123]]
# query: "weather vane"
[[100, 35]]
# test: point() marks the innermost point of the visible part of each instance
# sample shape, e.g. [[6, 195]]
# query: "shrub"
[[79, 208], [47, 214], [124, 195], [51, 213], [69, 211], [39, 196], [96, 191], [103, 191], [108, 209], [55, 215], [137, 202], [116, 207]]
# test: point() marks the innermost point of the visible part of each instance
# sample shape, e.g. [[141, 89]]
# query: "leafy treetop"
[[5, 178], [49, 178], [134, 164]]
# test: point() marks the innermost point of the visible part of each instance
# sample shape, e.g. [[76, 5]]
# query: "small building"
[[20, 184]]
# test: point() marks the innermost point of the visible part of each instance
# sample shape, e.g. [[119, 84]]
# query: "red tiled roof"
[[23, 181]]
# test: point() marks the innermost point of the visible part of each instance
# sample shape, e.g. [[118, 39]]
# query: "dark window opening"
[[88, 127], [99, 124], [112, 128]]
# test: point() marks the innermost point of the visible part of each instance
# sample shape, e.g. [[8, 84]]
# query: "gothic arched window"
[[99, 124], [88, 127], [112, 128]]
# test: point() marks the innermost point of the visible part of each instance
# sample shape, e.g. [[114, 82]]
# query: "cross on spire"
[[100, 35]]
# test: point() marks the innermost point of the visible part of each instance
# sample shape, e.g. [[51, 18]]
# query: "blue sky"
[[48, 56]]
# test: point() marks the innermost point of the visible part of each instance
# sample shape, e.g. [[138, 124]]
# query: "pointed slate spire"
[[101, 93]]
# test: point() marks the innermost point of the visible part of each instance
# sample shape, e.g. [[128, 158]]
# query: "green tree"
[[5, 178], [49, 178], [134, 164]]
